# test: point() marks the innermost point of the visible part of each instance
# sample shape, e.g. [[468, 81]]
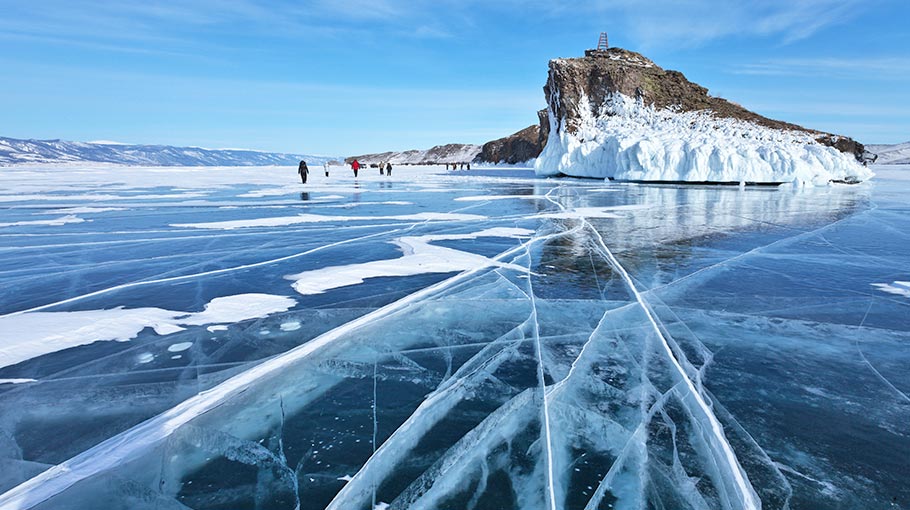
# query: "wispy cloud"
[[859, 68], [695, 22], [171, 25], [652, 23]]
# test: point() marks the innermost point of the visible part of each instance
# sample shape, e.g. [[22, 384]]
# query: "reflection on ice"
[[600, 347]]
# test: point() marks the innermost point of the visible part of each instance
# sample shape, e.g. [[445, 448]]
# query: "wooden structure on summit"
[[603, 44]]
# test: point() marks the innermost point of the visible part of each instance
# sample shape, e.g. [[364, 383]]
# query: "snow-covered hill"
[[14, 151], [897, 154], [449, 153]]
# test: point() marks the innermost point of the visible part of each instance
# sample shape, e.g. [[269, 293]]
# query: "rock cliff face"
[[601, 73], [519, 147], [616, 114]]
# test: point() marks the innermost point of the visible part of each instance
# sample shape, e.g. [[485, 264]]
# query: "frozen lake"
[[221, 338]]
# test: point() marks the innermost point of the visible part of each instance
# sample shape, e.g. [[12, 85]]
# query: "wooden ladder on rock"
[[602, 43]]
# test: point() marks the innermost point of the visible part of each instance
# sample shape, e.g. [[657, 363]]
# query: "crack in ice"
[[747, 497], [131, 443]]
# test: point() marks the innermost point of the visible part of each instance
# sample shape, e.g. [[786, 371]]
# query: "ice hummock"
[[630, 141]]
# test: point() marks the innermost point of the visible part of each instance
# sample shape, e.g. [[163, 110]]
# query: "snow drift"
[[628, 140]]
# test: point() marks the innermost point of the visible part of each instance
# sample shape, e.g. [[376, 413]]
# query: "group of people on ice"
[[456, 165], [385, 168], [304, 171]]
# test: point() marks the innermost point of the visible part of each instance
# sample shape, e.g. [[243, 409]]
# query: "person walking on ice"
[[388, 169], [355, 166], [326, 167], [303, 171]]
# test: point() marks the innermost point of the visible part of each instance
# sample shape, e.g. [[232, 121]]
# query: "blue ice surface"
[[588, 374]]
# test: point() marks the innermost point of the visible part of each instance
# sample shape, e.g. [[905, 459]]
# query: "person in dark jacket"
[[303, 171], [388, 169]]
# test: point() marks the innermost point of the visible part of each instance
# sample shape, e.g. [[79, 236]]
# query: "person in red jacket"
[[355, 165]]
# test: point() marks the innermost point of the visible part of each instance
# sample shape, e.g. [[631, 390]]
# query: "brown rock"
[[519, 147], [544, 131], [516, 148]]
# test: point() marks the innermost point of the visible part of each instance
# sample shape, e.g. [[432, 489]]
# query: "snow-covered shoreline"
[[40, 152], [627, 140]]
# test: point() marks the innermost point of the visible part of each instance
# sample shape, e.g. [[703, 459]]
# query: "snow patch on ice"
[[56, 222], [180, 347], [217, 327], [316, 218], [238, 308], [351, 205], [898, 288], [627, 140], [290, 326], [17, 381], [420, 257], [33, 334], [145, 357], [84, 210], [484, 198], [592, 212], [96, 197]]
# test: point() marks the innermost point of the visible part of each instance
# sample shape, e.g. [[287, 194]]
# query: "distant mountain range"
[[897, 154], [449, 153], [13, 151]]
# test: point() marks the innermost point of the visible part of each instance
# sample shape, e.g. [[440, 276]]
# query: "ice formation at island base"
[[629, 141]]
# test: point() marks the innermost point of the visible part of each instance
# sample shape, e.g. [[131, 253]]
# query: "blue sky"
[[342, 77]]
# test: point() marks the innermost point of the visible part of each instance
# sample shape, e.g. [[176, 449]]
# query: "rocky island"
[[615, 114]]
